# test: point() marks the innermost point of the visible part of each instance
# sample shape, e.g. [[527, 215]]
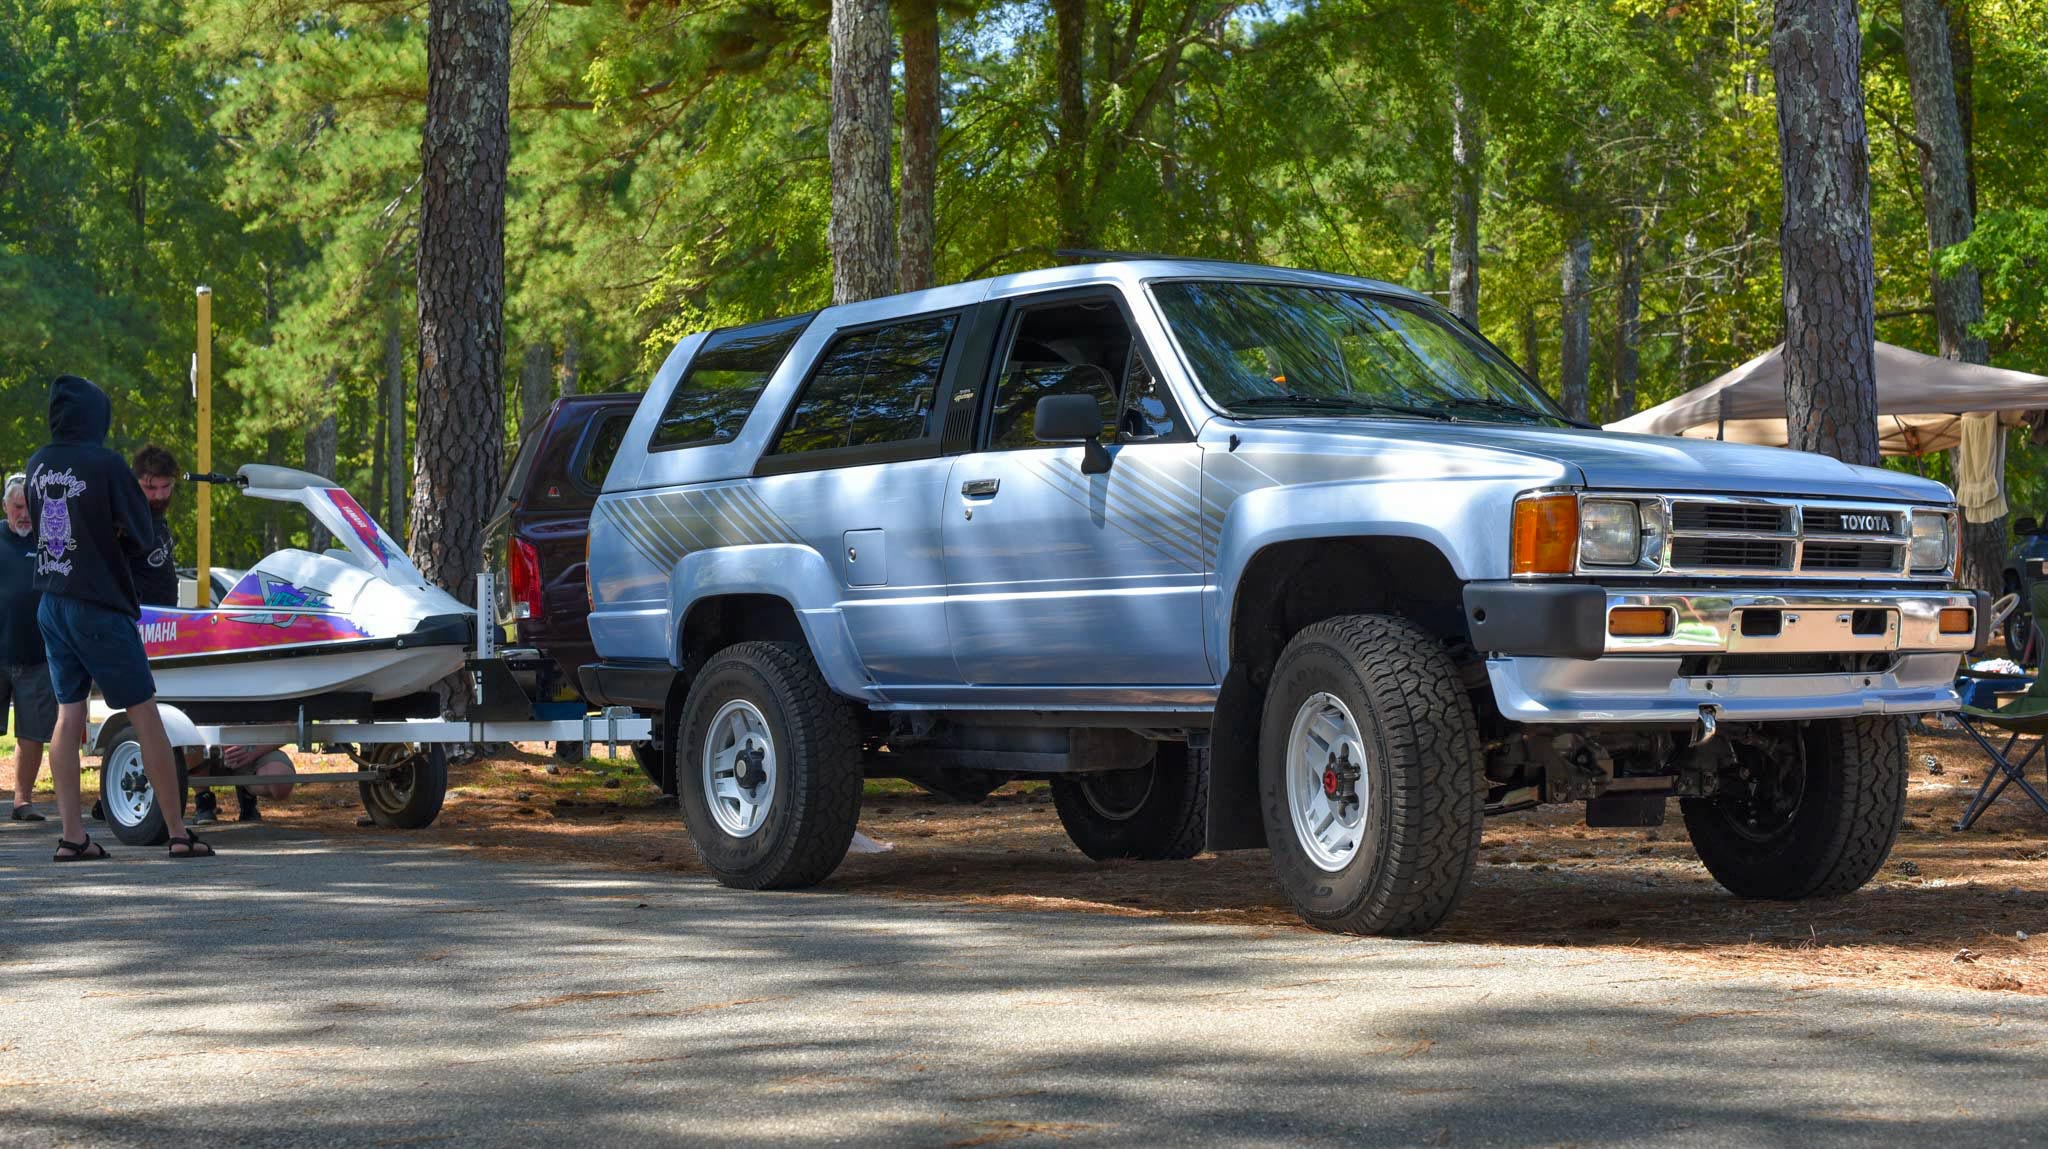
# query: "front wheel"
[[1804, 812], [1157, 812], [128, 799], [1369, 776], [768, 768]]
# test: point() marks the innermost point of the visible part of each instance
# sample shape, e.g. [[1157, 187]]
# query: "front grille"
[[1727, 517], [1757, 536], [1851, 557], [1731, 554]]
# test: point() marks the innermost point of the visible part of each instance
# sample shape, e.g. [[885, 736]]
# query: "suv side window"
[[1082, 346], [725, 378], [870, 388], [600, 448]]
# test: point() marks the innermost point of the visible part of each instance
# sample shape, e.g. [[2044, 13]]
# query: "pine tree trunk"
[[1070, 26], [536, 376], [1824, 245], [463, 155], [572, 359], [321, 444], [1468, 155], [1628, 308], [394, 417], [1945, 188], [914, 225], [863, 220], [1575, 346]]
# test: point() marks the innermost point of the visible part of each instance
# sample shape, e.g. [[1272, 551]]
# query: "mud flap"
[[1234, 819]]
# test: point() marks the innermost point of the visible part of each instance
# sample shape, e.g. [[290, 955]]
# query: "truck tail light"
[[1546, 534], [522, 562]]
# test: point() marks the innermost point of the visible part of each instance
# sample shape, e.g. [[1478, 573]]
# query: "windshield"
[[1262, 349]]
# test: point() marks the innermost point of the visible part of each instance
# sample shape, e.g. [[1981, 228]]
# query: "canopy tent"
[[1921, 401]]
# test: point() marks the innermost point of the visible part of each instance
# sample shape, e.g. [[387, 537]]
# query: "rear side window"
[[870, 387], [602, 447], [725, 378]]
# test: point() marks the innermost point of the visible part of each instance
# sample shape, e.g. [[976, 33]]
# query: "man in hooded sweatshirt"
[[91, 522]]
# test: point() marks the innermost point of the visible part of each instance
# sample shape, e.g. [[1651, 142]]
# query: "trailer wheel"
[[1370, 777], [1158, 812], [128, 799], [1810, 813], [410, 796], [768, 768]]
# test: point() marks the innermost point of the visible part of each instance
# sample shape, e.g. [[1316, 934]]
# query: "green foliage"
[[669, 173]]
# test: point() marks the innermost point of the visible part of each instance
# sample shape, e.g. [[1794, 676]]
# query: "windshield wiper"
[[1331, 403], [1509, 408]]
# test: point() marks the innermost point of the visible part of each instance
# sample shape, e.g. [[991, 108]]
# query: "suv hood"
[[1612, 461]]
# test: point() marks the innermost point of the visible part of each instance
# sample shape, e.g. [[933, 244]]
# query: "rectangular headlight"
[[1610, 532], [1932, 545]]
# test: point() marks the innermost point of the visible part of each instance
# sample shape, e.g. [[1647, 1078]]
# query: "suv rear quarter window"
[[725, 378], [870, 388]]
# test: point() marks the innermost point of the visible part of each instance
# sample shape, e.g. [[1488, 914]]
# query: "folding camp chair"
[[2024, 716]]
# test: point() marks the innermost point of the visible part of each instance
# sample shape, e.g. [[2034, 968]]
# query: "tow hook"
[[1706, 728]]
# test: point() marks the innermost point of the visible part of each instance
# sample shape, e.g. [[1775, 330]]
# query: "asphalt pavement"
[[303, 990]]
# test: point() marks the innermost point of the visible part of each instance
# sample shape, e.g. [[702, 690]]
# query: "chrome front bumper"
[[1555, 661]]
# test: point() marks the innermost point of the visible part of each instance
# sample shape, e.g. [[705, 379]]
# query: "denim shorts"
[[90, 644], [28, 691]]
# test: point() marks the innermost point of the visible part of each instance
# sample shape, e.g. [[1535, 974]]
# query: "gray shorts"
[[28, 692]]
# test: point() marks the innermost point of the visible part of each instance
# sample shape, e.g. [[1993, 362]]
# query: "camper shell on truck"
[[1245, 557]]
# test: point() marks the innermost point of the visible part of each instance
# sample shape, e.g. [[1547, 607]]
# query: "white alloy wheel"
[[1328, 786], [739, 768]]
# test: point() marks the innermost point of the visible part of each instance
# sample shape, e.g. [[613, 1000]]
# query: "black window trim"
[[586, 440], [656, 449], [925, 446], [1015, 308]]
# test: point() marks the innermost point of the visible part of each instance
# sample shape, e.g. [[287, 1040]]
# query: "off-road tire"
[[1105, 818], [1424, 797], [409, 801], [817, 784], [1848, 816], [149, 828]]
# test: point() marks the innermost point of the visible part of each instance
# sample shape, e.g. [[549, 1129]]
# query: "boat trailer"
[[401, 762]]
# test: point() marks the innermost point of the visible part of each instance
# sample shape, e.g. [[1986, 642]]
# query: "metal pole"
[[203, 386]]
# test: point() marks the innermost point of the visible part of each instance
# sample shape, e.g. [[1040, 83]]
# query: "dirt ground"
[[1949, 908]]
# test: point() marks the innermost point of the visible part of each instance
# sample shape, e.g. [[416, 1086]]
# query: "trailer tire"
[[127, 798], [1829, 834], [411, 798], [1156, 813], [768, 768], [1370, 776]]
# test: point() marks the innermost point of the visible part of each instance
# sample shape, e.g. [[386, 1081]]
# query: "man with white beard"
[[24, 675]]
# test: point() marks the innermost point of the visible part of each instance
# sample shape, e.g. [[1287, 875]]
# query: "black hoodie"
[[90, 516]]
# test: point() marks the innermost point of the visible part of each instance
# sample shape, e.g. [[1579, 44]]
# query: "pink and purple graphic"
[[262, 611], [360, 523]]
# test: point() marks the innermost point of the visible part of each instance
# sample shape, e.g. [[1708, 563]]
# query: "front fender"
[[1466, 519], [182, 732], [792, 572]]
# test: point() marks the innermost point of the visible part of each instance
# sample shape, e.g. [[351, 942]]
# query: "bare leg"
[[64, 767], [28, 762], [158, 763]]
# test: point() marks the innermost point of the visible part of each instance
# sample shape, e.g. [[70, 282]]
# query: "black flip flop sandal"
[[194, 848], [78, 851]]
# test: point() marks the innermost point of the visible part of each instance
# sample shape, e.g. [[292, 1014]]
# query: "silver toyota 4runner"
[[1243, 557]]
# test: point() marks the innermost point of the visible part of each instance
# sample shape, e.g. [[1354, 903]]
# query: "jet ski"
[[357, 620]]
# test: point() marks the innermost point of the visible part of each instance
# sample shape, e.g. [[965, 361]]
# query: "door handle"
[[980, 488]]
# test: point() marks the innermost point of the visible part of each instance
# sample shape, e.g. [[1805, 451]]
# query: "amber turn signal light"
[[1546, 534], [1958, 620], [1639, 622]]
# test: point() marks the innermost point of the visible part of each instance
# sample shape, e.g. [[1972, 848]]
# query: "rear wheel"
[[1158, 812], [127, 798], [2019, 625], [414, 785], [1369, 776], [768, 768], [1805, 812]]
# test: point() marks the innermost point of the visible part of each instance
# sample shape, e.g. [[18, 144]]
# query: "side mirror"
[[1075, 419], [2026, 526]]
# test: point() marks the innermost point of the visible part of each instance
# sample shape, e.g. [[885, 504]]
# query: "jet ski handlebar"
[[215, 477]]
